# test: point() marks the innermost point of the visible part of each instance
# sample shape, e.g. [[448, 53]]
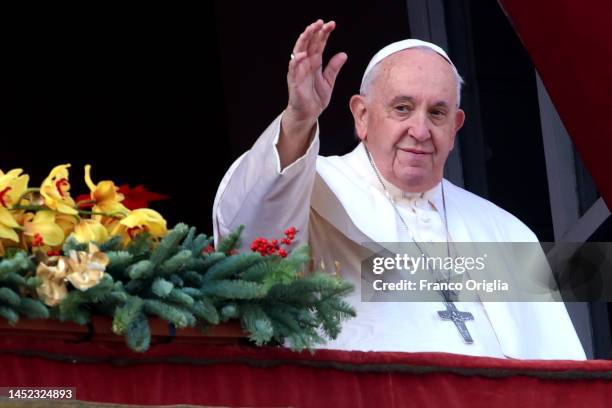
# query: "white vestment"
[[337, 203]]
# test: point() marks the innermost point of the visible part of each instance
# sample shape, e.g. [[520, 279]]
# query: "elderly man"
[[389, 189]]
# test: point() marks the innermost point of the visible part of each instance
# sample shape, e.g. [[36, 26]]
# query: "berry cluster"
[[273, 247]]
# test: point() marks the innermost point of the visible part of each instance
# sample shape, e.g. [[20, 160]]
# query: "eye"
[[402, 108], [438, 113]]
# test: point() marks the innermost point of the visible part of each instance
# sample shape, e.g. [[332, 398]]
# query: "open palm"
[[310, 86]]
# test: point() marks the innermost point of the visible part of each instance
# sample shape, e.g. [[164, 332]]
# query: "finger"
[[296, 67], [323, 35], [304, 39], [317, 45], [333, 68]]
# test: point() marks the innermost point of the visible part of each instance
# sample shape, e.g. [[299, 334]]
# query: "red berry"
[[282, 253]]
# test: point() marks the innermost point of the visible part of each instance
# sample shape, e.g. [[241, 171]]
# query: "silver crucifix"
[[459, 318]]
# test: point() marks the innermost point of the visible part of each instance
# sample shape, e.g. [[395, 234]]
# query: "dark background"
[[168, 97]]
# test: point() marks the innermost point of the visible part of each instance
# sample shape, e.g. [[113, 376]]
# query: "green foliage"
[[15, 287], [257, 323], [231, 241], [179, 281], [232, 265]]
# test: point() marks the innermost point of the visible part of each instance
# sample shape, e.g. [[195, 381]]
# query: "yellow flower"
[[44, 230], [66, 222], [55, 190], [12, 187], [105, 194], [52, 274], [86, 269], [90, 230], [140, 220]]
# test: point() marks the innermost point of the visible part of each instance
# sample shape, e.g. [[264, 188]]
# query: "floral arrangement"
[[105, 253]]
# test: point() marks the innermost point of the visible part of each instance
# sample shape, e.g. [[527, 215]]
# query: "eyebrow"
[[406, 98], [401, 98]]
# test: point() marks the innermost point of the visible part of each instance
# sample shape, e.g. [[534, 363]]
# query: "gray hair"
[[373, 74]]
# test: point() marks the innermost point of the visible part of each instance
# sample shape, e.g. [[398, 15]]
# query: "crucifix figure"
[[459, 318]]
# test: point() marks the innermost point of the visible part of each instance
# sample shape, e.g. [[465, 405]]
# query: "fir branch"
[[9, 314], [255, 321], [141, 270], [257, 272], [140, 245], [115, 243], [232, 265], [127, 314], [33, 309], [161, 287], [119, 260], [228, 243], [234, 289], [211, 260], [204, 310], [230, 311], [20, 262], [175, 263], [176, 280], [33, 282], [12, 279], [173, 314], [188, 241], [169, 244], [200, 243], [9, 297], [179, 297], [138, 334], [192, 278]]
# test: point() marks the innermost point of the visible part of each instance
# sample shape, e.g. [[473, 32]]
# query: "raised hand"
[[310, 88]]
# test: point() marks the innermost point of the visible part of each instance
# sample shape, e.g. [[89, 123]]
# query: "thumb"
[[333, 67]]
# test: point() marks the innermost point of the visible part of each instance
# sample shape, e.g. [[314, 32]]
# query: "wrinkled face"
[[409, 118]]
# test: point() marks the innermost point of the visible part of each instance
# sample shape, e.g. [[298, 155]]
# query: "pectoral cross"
[[458, 317]]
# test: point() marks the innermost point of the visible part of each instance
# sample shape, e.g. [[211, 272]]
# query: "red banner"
[[272, 377]]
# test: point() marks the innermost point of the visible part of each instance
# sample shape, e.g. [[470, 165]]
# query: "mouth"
[[413, 150]]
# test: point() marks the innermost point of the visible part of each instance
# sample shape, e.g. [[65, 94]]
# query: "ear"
[[359, 110], [459, 119]]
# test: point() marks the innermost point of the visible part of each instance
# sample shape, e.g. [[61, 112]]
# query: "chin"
[[413, 182]]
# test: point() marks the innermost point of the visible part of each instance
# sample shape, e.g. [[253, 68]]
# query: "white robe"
[[336, 203]]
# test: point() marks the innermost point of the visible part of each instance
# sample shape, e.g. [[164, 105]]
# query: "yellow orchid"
[[55, 190], [90, 230], [140, 220], [66, 222], [44, 230], [106, 195], [12, 187]]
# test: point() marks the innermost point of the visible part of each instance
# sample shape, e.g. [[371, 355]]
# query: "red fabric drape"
[[570, 44], [246, 376]]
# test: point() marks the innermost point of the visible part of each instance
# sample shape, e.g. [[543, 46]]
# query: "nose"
[[419, 127]]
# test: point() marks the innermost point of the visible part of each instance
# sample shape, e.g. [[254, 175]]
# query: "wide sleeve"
[[257, 194]]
